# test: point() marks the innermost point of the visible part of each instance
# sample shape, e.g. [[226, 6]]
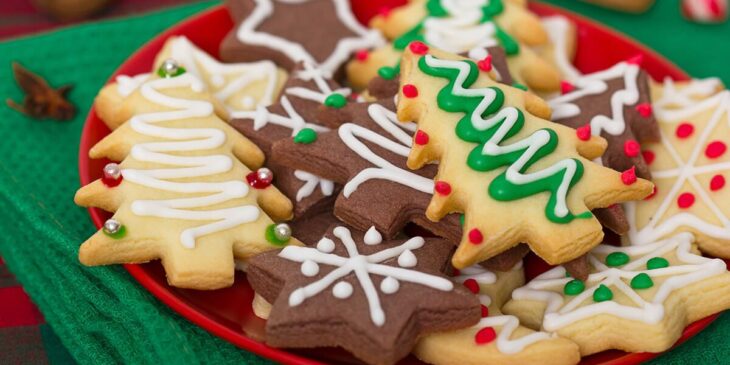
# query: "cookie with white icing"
[[496, 156], [463, 27], [690, 167], [184, 192], [497, 338], [362, 293], [323, 33], [636, 299]]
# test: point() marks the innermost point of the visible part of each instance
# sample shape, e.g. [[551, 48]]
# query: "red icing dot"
[[485, 311], [632, 148], [685, 200], [485, 64], [566, 87], [636, 60], [442, 187], [362, 55], [421, 137], [475, 236], [110, 181], [684, 130], [472, 285], [628, 177], [649, 156], [418, 47], [584, 132], [717, 182], [653, 192], [410, 91], [644, 109], [715, 149], [485, 336]]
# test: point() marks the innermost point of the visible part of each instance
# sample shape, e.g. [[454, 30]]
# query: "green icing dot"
[[642, 281], [305, 136], [617, 259], [657, 263], [335, 100], [602, 294], [387, 72], [519, 86], [121, 232], [574, 287], [271, 236], [461, 219], [161, 72]]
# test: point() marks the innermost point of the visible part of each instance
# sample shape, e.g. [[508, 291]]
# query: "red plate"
[[227, 312]]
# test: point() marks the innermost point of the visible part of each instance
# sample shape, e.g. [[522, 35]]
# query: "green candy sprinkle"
[[387, 72], [519, 86], [642, 281], [461, 219], [574, 287], [617, 259], [335, 100], [161, 72], [271, 236], [657, 263], [120, 233], [602, 294], [305, 136]]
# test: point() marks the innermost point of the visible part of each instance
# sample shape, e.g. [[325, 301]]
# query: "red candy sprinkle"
[[649, 156], [485, 64], [485, 311], [253, 180], [584, 132], [685, 200], [684, 130], [653, 192], [485, 336], [632, 148], [715, 149], [442, 187], [418, 47], [472, 285], [475, 236], [644, 109], [629, 176], [362, 55], [636, 60], [110, 181], [566, 87], [410, 91], [421, 137], [717, 182]]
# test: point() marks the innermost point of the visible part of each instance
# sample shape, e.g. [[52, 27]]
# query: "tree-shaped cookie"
[[517, 177], [690, 167], [360, 292], [183, 192], [324, 33], [636, 299], [497, 338], [463, 27]]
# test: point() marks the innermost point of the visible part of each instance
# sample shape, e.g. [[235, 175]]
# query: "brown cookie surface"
[[354, 290]]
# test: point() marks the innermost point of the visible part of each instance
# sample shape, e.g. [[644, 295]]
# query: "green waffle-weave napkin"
[[101, 315]]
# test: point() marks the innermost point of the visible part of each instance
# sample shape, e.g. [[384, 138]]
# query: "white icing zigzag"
[[562, 311]]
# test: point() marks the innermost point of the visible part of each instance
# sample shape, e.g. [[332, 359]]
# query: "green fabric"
[[100, 314], [700, 49]]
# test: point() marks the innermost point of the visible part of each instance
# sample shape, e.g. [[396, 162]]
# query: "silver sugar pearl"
[[282, 231], [112, 226], [112, 171], [170, 67], [264, 174]]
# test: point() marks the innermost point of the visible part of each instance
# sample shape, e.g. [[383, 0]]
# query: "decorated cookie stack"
[[380, 186]]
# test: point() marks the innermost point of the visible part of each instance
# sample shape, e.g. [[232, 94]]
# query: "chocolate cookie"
[[356, 291], [322, 32]]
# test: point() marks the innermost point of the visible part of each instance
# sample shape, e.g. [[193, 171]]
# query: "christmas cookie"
[[495, 157], [183, 192], [636, 299], [362, 293], [497, 338], [300, 115], [324, 33], [464, 27], [690, 167]]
